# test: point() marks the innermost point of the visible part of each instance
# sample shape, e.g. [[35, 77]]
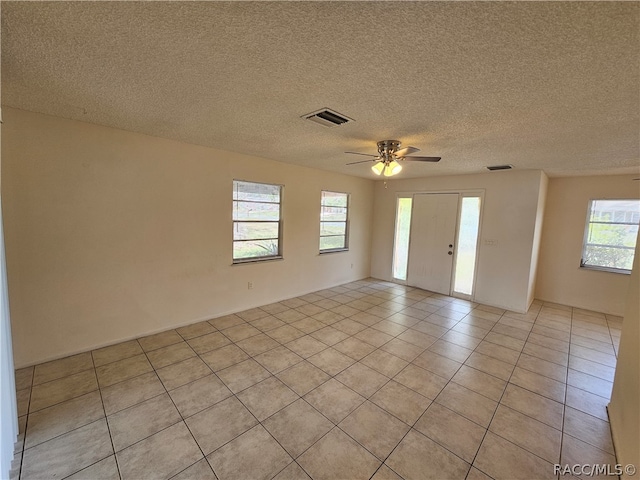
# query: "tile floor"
[[365, 380]]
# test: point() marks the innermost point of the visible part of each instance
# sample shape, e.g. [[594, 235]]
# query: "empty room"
[[319, 240]]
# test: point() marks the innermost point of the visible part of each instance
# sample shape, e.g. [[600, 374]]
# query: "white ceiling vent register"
[[328, 118]]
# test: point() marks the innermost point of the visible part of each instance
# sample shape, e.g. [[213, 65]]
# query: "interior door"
[[433, 231]]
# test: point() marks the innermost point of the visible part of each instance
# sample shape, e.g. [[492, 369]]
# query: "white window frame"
[[585, 242], [257, 258], [344, 248]]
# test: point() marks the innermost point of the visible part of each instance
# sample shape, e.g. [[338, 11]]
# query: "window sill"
[[256, 260], [606, 269], [337, 250]]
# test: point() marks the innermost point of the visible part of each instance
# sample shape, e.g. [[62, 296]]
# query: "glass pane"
[[401, 245], [615, 235], [609, 257], [334, 199], [614, 210], [256, 211], [255, 249], [333, 228], [258, 192], [329, 243], [467, 243], [333, 213], [255, 231]]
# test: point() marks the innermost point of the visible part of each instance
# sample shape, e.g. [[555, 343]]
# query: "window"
[[467, 245], [334, 209], [610, 235], [257, 225], [401, 244]]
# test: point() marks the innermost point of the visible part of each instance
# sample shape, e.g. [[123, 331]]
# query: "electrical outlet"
[[249, 285]]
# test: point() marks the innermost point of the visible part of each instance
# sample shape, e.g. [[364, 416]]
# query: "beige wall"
[[112, 235], [512, 202], [560, 278], [625, 397]]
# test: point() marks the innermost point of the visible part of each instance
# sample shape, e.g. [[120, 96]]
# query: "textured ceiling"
[[540, 85]]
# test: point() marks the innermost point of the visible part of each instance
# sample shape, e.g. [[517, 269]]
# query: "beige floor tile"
[[285, 334], [184, 372], [254, 454], [243, 375], [540, 439], [56, 391], [337, 456], [375, 429], [306, 346], [153, 342], [402, 349], [475, 474], [593, 345], [297, 427], [592, 368], [373, 337], [24, 378], [308, 325], [165, 356], [587, 402], [422, 381], [303, 377], [384, 363], [329, 335], [450, 350], [53, 421], [131, 392], [543, 367], [113, 353], [467, 403], [278, 359], [400, 401], [45, 372], [201, 470], [142, 420], [268, 323], [591, 384], [23, 397], [267, 397], [198, 395], [347, 311], [552, 343], [224, 357], [480, 382], [594, 355], [417, 338], [588, 428], [470, 330], [195, 330], [550, 332], [514, 332], [240, 332], [389, 327], [577, 452], [257, 344], [437, 364], [498, 352], [458, 338], [354, 348], [549, 354], [535, 406], [385, 473], [502, 459], [220, 423], [454, 432], [290, 316], [310, 309], [252, 314], [331, 361], [420, 457], [505, 341], [120, 370], [68, 453], [362, 379], [293, 471], [408, 317], [210, 341], [226, 321], [162, 455], [334, 400], [490, 365], [106, 469], [539, 384], [348, 326], [294, 302], [482, 323], [328, 317]]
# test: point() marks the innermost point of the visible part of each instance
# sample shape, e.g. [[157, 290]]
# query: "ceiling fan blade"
[[358, 153], [363, 161], [406, 151], [423, 159]]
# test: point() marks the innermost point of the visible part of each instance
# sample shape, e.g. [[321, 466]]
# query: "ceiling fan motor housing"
[[386, 149]]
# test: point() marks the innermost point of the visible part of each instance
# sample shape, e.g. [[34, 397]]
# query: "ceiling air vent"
[[500, 167], [327, 117]]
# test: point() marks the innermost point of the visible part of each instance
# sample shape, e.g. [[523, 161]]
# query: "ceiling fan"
[[389, 156]]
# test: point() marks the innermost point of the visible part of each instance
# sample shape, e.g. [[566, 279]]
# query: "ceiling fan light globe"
[[393, 168], [378, 167]]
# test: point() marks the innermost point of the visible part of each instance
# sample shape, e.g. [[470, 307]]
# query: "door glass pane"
[[466, 245], [401, 245]]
